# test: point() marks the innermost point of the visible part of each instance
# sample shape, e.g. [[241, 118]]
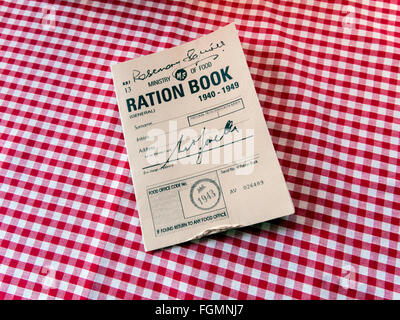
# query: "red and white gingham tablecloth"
[[328, 79]]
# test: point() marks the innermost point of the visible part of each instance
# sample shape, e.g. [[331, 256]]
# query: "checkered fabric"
[[327, 76]]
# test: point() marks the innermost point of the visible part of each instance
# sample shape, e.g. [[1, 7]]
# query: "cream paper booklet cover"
[[201, 157]]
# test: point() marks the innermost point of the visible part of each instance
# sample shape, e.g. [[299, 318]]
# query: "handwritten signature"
[[201, 143], [190, 56], [138, 75]]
